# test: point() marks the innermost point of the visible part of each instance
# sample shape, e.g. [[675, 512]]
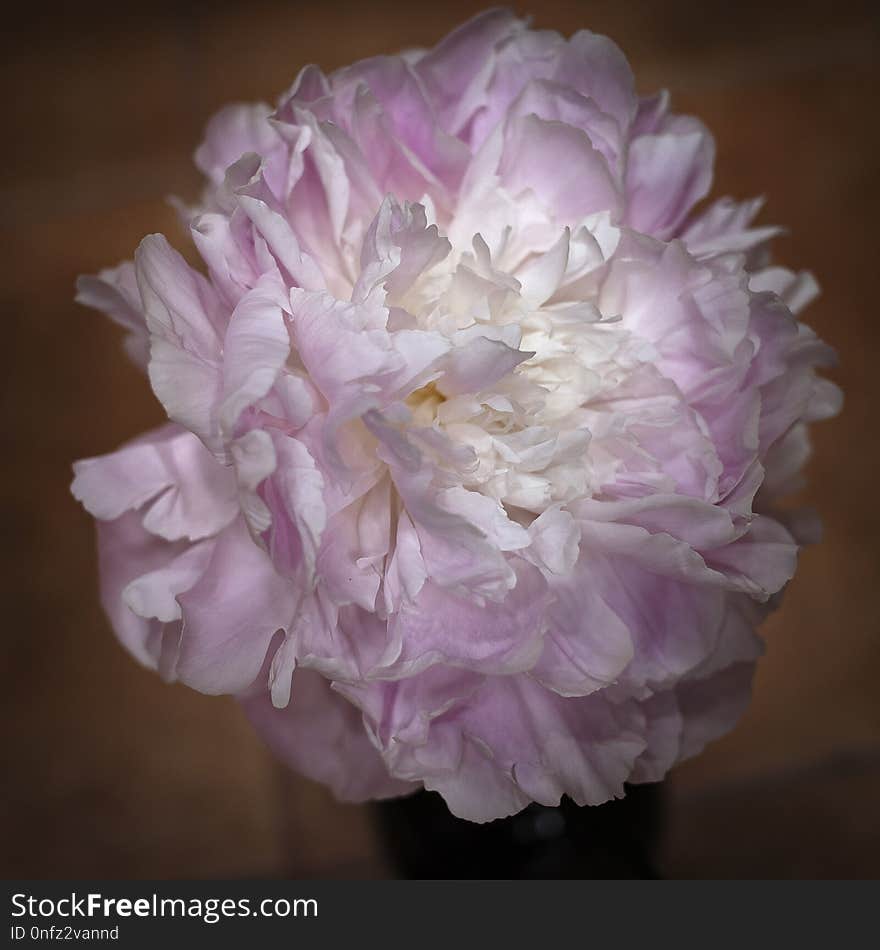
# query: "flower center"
[[424, 403]]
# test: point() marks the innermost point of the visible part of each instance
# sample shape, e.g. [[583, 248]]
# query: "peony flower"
[[477, 427]]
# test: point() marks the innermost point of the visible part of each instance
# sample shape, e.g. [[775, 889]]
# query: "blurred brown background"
[[108, 772]]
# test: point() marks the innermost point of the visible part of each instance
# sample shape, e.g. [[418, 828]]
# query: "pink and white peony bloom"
[[477, 427]]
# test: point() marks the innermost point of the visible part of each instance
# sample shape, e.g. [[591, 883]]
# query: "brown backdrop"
[[110, 773]]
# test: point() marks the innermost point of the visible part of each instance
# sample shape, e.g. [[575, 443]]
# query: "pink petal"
[[231, 614]]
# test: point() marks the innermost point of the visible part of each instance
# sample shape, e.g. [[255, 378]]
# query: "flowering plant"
[[477, 428]]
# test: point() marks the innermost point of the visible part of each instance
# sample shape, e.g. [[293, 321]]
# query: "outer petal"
[[231, 615], [191, 494], [512, 742], [673, 624], [115, 292], [231, 133], [126, 552], [179, 304], [667, 174], [456, 71], [588, 644], [439, 627], [560, 165], [255, 348], [154, 594], [185, 318], [321, 735], [726, 226]]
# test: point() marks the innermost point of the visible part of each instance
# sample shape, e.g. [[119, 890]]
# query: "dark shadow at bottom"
[[617, 840]]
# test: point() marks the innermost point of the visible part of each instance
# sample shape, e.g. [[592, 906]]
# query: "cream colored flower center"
[[424, 403]]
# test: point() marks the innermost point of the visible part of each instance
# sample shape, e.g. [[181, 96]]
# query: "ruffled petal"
[[114, 291], [440, 627], [321, 735], [231, 614], [190, 494]]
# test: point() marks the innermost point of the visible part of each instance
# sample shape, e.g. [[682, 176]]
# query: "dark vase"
[[616, 840]]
